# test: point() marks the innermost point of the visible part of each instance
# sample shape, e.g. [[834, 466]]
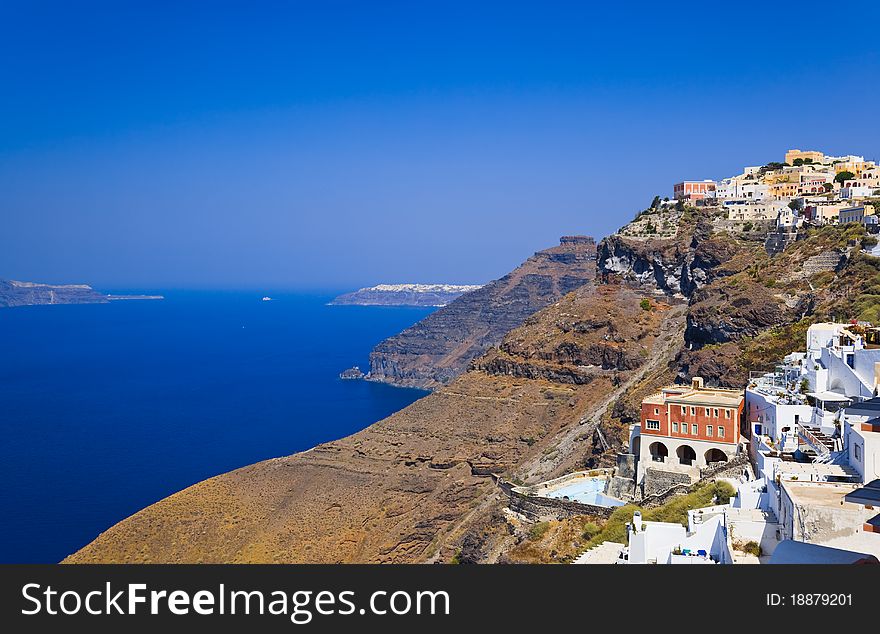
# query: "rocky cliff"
[[440, 347], [13, 293], [745, 308], [555, 394]]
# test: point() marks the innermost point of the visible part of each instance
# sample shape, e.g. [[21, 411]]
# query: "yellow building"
[[856, 167], [812, 155], [783, 190]]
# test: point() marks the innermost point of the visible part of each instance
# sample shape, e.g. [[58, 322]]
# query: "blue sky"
[[336, 144]]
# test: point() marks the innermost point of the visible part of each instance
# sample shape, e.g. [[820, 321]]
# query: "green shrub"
[[645, 304], [753, 548], [591, 529], [537, 531], [675, 510]]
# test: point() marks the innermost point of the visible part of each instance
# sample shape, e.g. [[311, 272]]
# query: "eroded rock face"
[[442, 346], [720, 313], [653, 264], [675, 266]]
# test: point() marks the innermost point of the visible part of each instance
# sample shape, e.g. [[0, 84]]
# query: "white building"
[[788, 217], [745, 187], [713, 534], [861, 436], [800, 406], [825, 513], [857, 192], [704, 541], [743, 210]]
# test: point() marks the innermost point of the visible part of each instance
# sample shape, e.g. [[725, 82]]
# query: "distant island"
[[404, 295], [14, 293], [352, 373]]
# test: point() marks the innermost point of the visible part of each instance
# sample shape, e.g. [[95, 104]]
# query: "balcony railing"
[[820, 442]]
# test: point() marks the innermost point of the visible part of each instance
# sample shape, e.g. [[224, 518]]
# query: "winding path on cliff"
[[543, 466], [671, 339]]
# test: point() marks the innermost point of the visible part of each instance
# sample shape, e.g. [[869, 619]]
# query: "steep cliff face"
[[440, 347], [745, 309], [676, 265], [13, 293]]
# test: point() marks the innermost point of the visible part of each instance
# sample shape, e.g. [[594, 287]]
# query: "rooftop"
[[792, 552], [869, 495], [872, 405], [816, 470], [818, 494], [686, 394]]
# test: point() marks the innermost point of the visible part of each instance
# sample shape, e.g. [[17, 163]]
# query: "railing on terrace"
[[817, 440], [784, 386]]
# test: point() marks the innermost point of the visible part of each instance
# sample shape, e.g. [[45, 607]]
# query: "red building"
[[689, 425]]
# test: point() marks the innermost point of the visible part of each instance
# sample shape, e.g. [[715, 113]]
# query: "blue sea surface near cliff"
[[108, 408]]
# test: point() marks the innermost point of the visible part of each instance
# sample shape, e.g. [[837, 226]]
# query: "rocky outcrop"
[[724, 312], [351, 374], [13, 293], [589, 333], [442, 345], [674, 266]]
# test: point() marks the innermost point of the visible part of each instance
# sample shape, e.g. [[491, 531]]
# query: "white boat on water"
[[267, 299]]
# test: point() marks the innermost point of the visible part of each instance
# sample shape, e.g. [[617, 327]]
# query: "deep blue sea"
[[107, 408]]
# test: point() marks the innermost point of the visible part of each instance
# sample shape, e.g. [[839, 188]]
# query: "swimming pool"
[[586, 491]]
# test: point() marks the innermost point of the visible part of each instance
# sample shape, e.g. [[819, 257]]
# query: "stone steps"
[[604, 553]]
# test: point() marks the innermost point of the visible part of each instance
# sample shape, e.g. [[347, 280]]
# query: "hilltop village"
[[808, 187], [782, 468]]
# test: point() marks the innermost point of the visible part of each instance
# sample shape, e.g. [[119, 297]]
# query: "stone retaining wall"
[[658, 482], [541, 509]]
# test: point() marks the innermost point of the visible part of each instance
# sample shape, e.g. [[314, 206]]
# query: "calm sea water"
[[105, 409]]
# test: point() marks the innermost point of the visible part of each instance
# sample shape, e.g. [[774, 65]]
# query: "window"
[[656, 410], [694, 430], [715, 412], [857, 452], [683, 410], [720, 431], [675, 427], [727, 413], [707, 412], [693, 411], [652, 424], [709, 430]]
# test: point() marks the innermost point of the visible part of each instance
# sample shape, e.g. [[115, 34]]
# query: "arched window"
[[715, 455], [659, 452], [686, 455]]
